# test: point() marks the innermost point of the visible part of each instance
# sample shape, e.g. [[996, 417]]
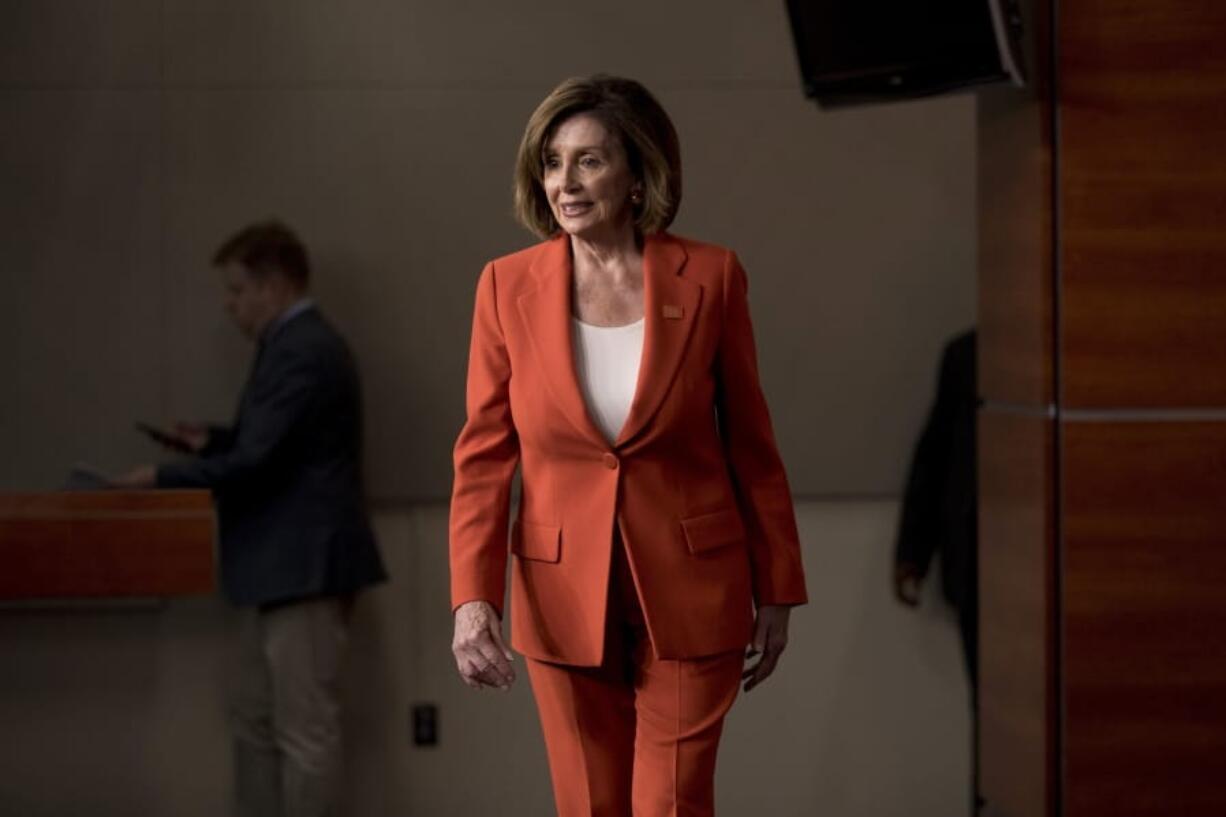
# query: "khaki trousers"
[[636, 736], [285, 708]]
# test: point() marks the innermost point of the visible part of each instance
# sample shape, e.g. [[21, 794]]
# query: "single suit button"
[[610, 461]]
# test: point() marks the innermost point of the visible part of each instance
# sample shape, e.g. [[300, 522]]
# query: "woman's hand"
[[480, 654], [770, 636]]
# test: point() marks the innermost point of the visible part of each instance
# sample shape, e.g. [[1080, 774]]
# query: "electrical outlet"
[[425, 725]]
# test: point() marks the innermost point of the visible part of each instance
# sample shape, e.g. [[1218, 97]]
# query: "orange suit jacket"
[[694, 480]]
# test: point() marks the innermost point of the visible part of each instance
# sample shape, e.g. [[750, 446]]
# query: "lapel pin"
[[674, 312]]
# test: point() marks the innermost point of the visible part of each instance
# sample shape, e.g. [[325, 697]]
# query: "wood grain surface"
[[1016, 301], [1143, 197], [1144, 607], [1016, 646], [106, 544]]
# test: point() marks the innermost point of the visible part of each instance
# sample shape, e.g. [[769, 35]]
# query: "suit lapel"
[[670, 305], [274, 336], [253, 372], [547, 318]]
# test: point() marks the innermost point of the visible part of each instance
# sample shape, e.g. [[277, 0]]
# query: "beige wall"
[[117, 713], [138, 134]]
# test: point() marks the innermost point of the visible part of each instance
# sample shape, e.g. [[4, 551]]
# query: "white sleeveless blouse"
[[607, 362]]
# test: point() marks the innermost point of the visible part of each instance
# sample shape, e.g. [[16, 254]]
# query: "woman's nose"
[[570, 177]]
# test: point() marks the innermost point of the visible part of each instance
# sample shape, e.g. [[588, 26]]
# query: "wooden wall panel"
[[1016, 378], [1139, 292], [1144, 585], [1016, 699], [1015, 275], [1016, 297], [1143, 196]]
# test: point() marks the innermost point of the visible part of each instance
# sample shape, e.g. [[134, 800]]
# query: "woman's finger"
[[758, 643], [488, 662], [774, 641], [762, 671], [494, 663], [469, 673], [496, 635], [479, 673]]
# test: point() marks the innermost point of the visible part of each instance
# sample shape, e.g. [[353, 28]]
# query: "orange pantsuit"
[[691, 499]]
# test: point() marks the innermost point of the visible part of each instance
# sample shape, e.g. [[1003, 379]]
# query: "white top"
[[607, 362]]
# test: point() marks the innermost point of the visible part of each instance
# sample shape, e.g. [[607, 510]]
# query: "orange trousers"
[[636, 736]]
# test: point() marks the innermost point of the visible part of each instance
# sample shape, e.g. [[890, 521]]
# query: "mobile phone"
[[163, 438]]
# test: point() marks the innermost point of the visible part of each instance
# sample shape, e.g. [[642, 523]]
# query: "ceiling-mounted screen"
[[861, 51]]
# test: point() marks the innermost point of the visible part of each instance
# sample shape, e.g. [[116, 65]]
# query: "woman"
[[614, 364]]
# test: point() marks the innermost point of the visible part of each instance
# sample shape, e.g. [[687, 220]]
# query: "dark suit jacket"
[[287, 475], [939, 507]]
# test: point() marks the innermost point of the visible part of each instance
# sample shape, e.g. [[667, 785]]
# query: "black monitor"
[[861, 51]]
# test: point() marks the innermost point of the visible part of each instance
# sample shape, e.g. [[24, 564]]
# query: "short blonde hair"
[[628, 110]]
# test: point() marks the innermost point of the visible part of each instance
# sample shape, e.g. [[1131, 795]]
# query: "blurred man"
[[295, 541], [940, 512]]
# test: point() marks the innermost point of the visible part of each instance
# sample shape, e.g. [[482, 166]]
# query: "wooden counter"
[[107, 544]]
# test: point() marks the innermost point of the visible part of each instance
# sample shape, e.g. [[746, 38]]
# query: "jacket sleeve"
[[761, 485], [919, 528], [486, 456], [220, 440], [278, 403]]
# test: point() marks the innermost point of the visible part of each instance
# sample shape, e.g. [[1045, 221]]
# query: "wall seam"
[[1055, 678]]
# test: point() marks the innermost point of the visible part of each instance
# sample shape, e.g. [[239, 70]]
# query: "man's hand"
[[480, 654], [146, 476], [908, 580], [194, 435], [770, 637]]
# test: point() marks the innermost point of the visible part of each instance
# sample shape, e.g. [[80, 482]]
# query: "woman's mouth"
[[574, 209]]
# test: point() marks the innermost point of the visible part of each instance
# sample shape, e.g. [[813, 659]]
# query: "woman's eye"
[[589, 161]]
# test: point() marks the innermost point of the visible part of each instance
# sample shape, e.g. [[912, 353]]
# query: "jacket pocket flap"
[[540, 542], [713, 530]]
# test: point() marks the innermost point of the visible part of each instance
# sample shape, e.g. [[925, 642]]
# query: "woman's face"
[[587, 179]]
